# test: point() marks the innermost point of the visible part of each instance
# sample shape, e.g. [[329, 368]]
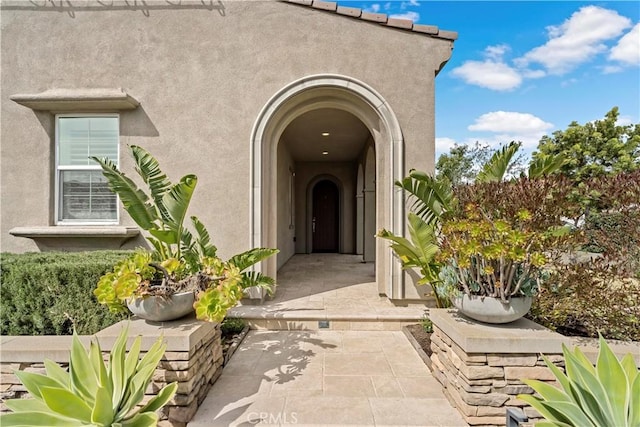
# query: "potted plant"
[[494, 266], [182, 272]]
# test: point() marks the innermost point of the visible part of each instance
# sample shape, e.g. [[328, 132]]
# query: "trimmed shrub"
[[50, 293]]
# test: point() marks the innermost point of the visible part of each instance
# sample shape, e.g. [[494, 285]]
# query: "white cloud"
[[577, 40], [624, 121], [373, 8], [490, 74], [411, 16], [628, 48], [443, 145], [610, 69], [406, 4], [511, 126]]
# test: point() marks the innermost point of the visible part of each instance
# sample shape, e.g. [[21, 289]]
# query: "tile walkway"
[[326, 378], [338, 288], [361, 372]]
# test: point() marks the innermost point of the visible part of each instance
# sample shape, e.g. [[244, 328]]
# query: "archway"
[[343, 93]]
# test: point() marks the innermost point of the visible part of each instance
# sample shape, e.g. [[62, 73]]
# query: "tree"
[[594, 149]]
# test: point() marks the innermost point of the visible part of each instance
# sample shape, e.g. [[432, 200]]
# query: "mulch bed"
[[230, 342]]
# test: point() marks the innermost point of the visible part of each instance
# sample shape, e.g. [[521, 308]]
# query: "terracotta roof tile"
[[381, 18], [325, 5], [406, 24], [349, 11]]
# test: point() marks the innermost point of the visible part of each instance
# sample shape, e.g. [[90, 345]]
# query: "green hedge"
[[49, 293]]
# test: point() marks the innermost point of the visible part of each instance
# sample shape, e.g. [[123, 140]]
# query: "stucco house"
[[297, 116]]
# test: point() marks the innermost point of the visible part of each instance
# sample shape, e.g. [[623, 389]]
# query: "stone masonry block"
[[170, 376], [512, 359], [514, 389], [183, 413], [491, 411], [176, 355], [464, 408], [481, 421], [534, 373], [481, 372], [468, 357], [489, 399]]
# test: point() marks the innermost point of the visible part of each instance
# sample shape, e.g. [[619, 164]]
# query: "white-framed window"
[[82, 193]]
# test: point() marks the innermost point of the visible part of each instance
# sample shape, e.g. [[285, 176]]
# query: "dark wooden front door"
[[326, 217]]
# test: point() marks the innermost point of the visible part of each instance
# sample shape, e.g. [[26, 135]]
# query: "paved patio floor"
[[326, 378], [334, 287]]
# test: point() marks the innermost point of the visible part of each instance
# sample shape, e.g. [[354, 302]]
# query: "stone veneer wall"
[[193, 358], [481, 366]]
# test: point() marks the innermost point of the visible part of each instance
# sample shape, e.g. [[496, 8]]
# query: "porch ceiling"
[[304, 140]]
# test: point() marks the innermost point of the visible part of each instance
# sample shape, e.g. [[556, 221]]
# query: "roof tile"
[[325, 5], [449, 35], [375, 17], [426, 29], [406, 24], [350, 11], [402, 24]]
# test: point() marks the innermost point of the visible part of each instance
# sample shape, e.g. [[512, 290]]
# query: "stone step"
[[275, 324]]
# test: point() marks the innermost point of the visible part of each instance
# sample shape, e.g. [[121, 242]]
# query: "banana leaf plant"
[[92, 393], [607, 394], [183, 259]]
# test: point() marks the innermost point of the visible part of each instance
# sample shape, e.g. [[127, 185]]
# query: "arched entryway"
[[273, 164], [325, 217]]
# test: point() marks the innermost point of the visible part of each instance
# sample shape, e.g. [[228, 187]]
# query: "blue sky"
[[521, 69]]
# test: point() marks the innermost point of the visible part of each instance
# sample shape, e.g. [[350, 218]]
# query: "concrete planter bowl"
[[162, 309], [492, 310]]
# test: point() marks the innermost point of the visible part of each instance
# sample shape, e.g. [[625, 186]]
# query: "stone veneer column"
[[480, 366], [193, 358]]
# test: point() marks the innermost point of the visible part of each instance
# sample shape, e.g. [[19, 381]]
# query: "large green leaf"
[[37, 419], [147, 419], [83, 378], [26, 405], [543, 165], [248, 258], [66, 403], [33, 382], [54, 371], [614, 380], [429, 198], [547, 391], [134, 200], [424, 238], [203, 239], [634, 409], [255, 278], [177, 200], [160, 399], [116, 367], [102, 413], [149, 170], [496, 168]]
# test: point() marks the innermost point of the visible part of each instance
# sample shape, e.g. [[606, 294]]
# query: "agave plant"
[[92, 393], [605, 395]]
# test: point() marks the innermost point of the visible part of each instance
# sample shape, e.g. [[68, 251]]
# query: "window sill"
[[100, 231], [78, 100]]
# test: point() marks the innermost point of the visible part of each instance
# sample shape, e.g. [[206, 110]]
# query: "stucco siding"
[[201, 77]]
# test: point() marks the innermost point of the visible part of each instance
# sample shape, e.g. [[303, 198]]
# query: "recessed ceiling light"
[[325, 133], [325, 153]]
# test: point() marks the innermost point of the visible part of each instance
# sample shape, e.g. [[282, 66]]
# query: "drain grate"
[[323, 324]]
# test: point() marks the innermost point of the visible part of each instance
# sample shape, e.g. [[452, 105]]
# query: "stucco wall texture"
[[201, 75]]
